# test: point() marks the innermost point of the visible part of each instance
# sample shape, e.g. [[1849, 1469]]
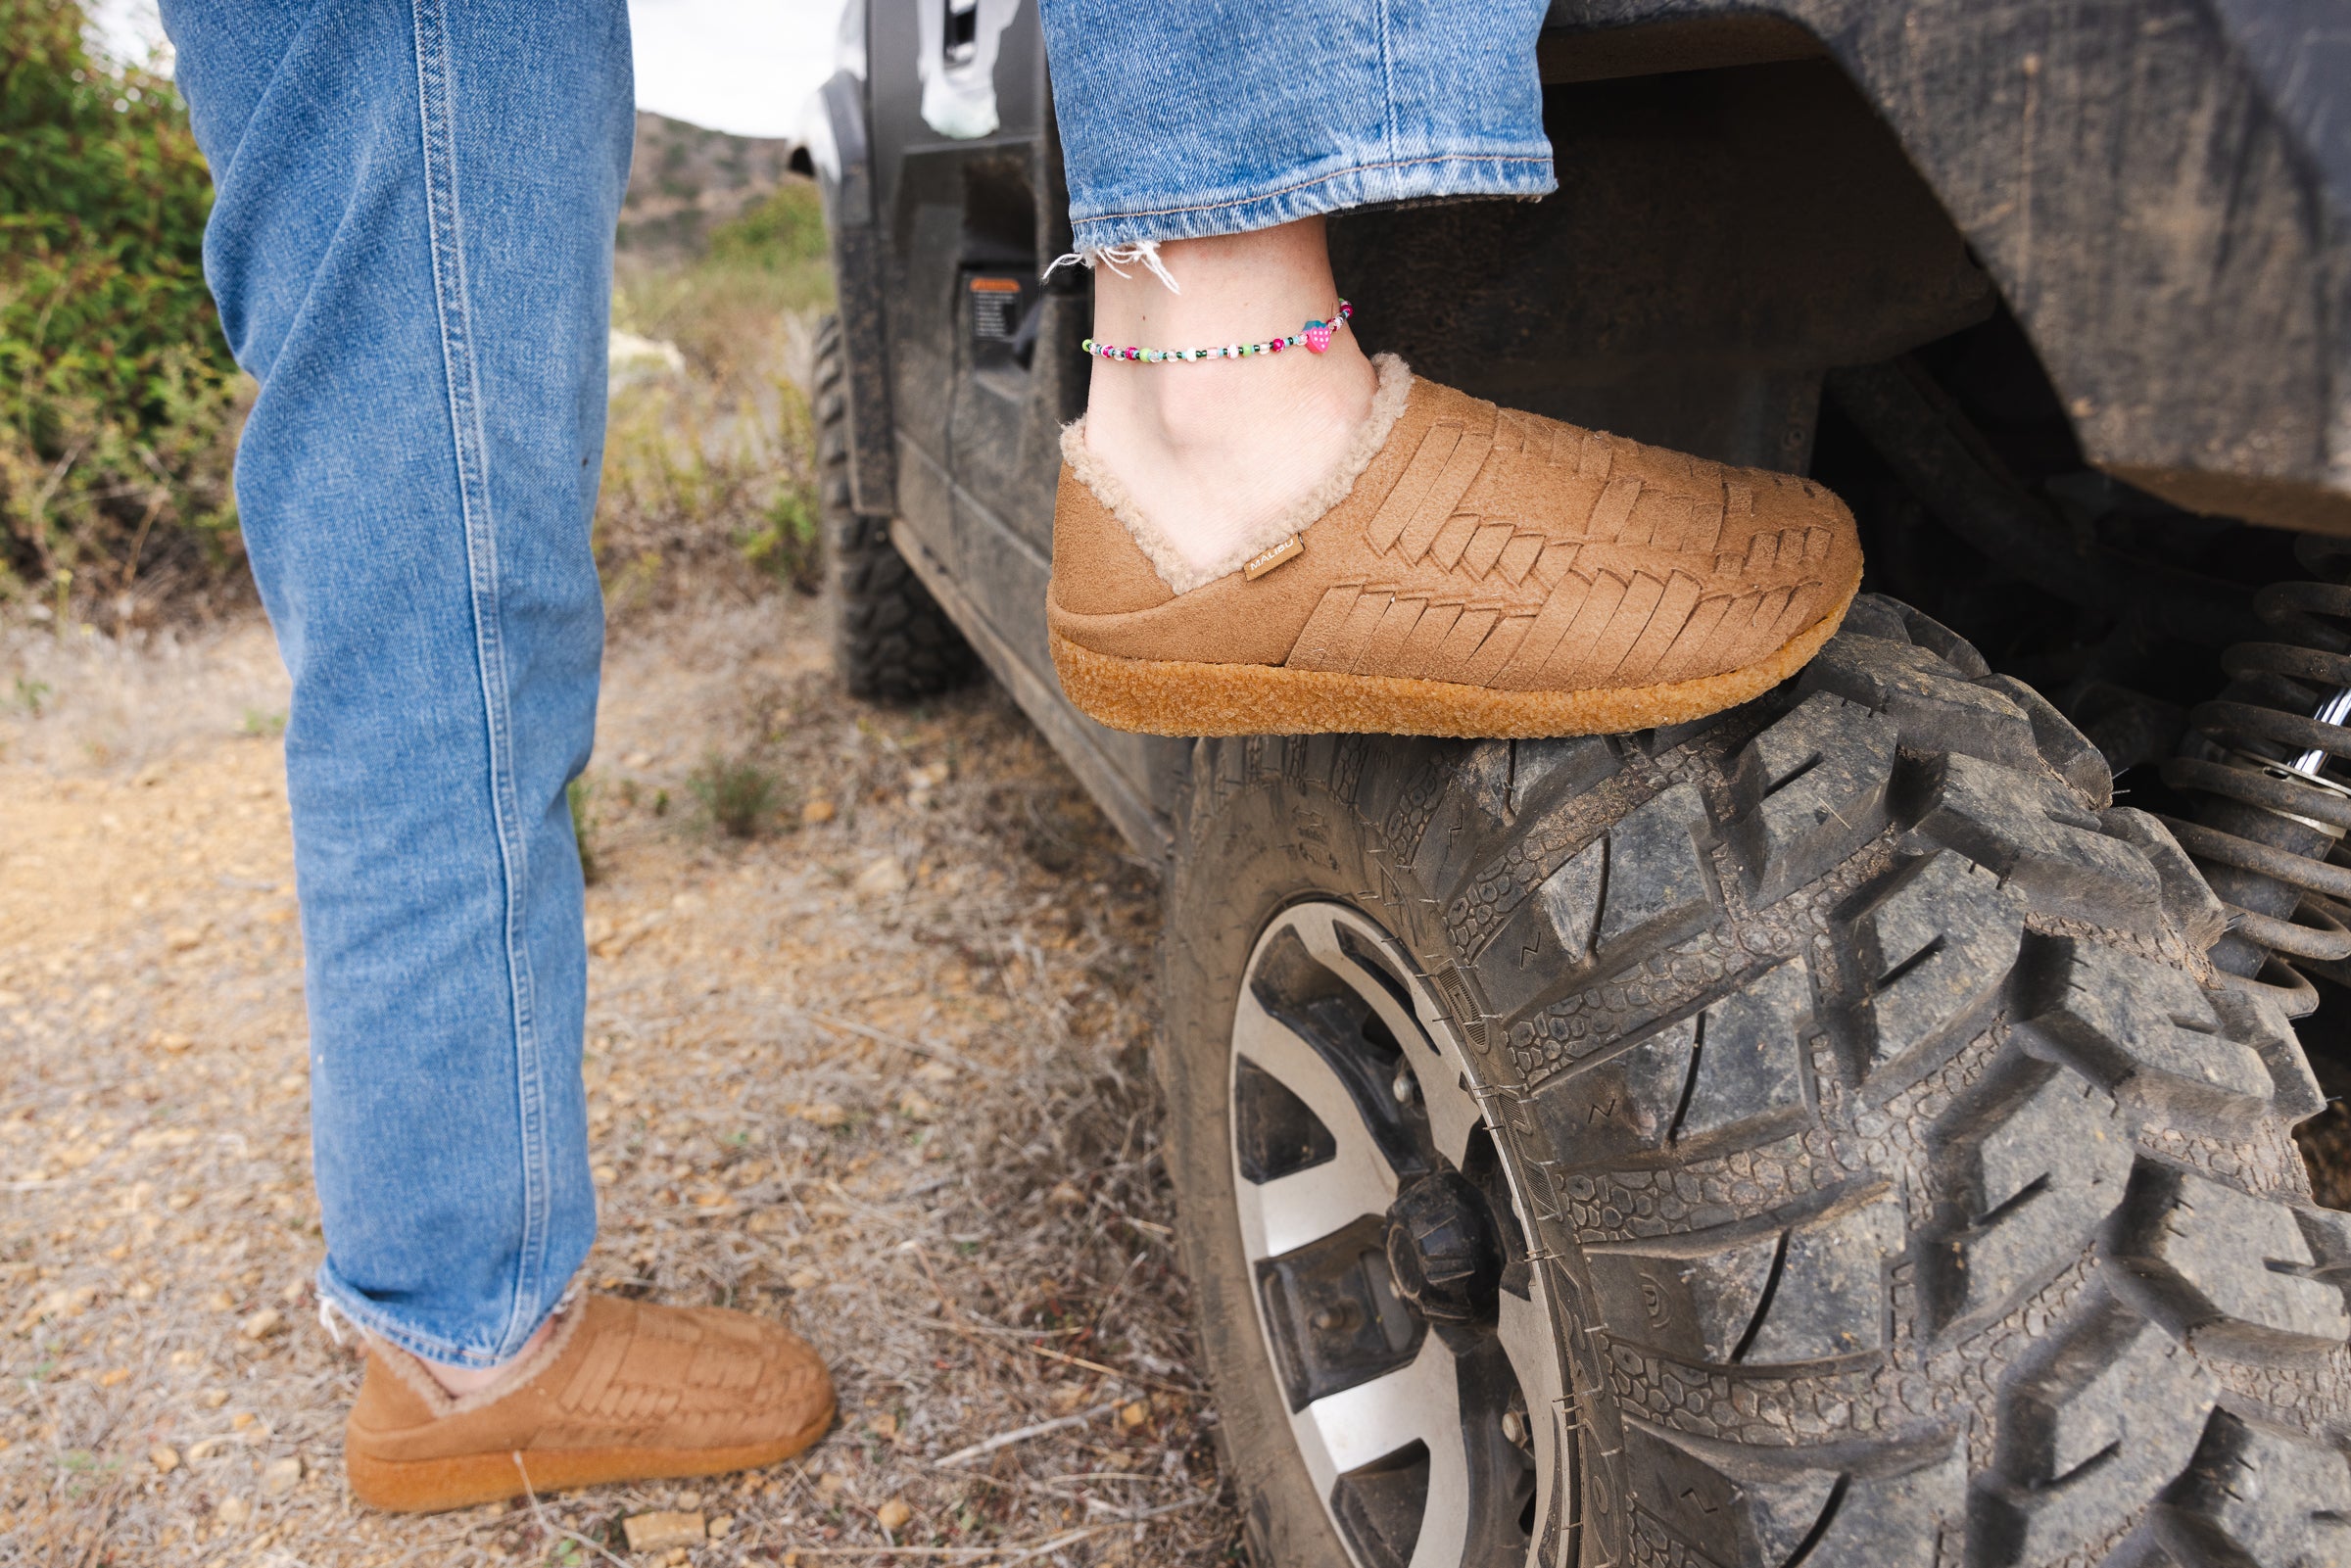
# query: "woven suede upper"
[[1489, 548], [627, 1375]]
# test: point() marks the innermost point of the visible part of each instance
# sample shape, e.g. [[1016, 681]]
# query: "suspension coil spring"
[[2269, 828]]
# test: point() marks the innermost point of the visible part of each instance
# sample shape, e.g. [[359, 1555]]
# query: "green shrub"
[[116, 392], [737, 793], [781, 232]]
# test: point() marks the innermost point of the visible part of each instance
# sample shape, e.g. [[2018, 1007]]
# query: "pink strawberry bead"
[[1317, 336]]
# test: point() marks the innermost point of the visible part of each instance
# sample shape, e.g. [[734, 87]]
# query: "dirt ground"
[[878, 1071]]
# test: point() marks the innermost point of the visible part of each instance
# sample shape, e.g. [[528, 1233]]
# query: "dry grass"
[[878, 1071], [708, 479]]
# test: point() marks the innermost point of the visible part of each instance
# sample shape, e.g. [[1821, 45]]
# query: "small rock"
[[831, 1483], [894, 1514], [1135, 1414], [233, 1511], [213, 1399], [296, 1293], [885, 1425], [263, 1323], [281, 1476], [824, 1113], [884, 877], [163, 1458], [604, 1175], [818, 811], [657, 1532], [204, 1448], [914, 1108], [219, 1301], [1065, 1195], [935, 1072], [689, 1501], [721, 1525], [64, 1304], [165, 1040], [805, 1279]]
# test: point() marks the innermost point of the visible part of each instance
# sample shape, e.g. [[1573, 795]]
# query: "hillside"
[[687, 180]]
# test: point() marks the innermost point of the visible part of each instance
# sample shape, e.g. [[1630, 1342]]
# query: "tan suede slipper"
[[620, 1391], [1466, 570]]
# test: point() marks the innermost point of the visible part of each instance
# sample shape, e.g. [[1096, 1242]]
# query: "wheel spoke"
[[1294, 1211], [1524, 1331], [1347, 1430], [1280, 1215], [1453, 1114]]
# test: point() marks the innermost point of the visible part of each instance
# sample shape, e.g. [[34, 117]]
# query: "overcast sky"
[[740, 66]]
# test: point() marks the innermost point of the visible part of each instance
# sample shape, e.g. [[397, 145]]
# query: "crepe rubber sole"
[[1181, 698], [462, 1481]]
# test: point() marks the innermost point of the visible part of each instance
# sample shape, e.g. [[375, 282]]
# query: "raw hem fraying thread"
[[1180, 576], [1118, 258]]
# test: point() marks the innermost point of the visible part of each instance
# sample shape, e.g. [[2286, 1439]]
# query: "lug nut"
[[1513, 1427], [1404, 1087]]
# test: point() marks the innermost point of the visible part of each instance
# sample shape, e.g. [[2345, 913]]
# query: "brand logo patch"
[[1290, 549]]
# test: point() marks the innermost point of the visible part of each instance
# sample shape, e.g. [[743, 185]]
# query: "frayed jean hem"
[[369, 1318], [1435, 177]]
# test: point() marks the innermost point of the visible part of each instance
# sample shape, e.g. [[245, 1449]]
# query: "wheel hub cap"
[[1441, 1249]]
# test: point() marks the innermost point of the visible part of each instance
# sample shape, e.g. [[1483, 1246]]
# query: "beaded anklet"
[[1315, 337]]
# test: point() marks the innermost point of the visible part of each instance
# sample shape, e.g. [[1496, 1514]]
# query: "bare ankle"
[[1211, 450], [460, 1381]]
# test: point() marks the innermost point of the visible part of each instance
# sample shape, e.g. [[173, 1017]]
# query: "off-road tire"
[[891, 642], [1914, 1191]]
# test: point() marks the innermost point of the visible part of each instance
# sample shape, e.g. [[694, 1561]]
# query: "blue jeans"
[[411, 248], [1181, 118]]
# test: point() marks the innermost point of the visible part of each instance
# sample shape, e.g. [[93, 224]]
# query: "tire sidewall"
[[1244, 865]]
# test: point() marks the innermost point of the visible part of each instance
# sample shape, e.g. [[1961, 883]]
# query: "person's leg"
[[1223, 164], [411, 248], [1290, 543]]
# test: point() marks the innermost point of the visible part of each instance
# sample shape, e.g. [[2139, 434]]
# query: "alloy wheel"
[[1410, 1328]]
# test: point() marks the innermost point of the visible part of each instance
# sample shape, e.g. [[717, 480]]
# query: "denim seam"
[[446, 234], [1305, 184], [1387, 78]]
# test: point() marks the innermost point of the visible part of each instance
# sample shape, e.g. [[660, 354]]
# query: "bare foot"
[[1211, 450], [464, 1380]]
